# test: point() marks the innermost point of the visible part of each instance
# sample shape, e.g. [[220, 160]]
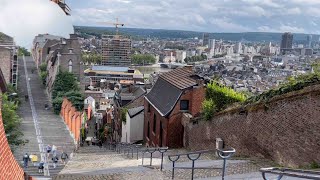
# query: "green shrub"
[[56, 104], [11, 122], [43, 76], [208, 109], [223, 96], [314, 165], [292, 84], [123, 115], [43, 67]]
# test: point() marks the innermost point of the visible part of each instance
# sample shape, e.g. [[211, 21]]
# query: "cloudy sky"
[[41, 16]]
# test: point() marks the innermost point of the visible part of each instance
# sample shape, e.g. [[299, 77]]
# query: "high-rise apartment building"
[[286, 42], [116, 50], [309, 41], [205, 39]]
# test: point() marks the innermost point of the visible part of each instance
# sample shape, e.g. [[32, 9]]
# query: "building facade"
[[175, 92], [286, 42], [65, 56], [116, 51]]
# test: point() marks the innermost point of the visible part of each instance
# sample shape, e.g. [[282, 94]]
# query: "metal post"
[[151, 159], [173, 169], [192, 172], [224, 168], [142, 157], [161, 161]]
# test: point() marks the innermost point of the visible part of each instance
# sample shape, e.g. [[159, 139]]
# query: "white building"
[[132, 129], [90, 101], [181, 55]]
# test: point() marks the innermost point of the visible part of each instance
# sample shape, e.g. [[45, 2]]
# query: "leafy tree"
[[195, 59], [64, 82], [141, 59], [11, 122], [91, 58], [23, 51], [66, 85]]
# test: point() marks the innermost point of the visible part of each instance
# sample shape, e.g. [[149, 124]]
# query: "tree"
[[89, 58], [11, 122], [23, 51], [140, 59], [66, 85], [64, 82]]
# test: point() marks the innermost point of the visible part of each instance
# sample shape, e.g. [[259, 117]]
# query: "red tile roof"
[[180, 78]]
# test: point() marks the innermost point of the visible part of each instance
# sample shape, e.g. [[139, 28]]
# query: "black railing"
[[282, 172], [161, 150], [194, 156]]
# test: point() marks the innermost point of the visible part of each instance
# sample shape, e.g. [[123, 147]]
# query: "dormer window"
[[70, 50]]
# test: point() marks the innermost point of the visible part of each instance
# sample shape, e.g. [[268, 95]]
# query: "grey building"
[[116, 51], [286, 42], [205, 38], [66, 56]]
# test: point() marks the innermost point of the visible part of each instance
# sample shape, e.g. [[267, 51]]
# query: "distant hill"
[[163, 34]]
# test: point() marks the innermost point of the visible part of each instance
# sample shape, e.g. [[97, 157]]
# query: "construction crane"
[[115, 24], [63, 6]]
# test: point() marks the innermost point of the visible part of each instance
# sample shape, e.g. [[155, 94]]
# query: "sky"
[[23, 20]]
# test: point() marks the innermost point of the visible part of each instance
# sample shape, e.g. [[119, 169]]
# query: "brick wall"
[[72, 118], [172, 127], [9, 168], [286, 130]]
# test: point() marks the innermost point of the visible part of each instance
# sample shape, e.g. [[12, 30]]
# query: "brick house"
[[174, 93]]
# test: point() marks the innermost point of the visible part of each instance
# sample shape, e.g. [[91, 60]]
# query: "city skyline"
[[205, 16]]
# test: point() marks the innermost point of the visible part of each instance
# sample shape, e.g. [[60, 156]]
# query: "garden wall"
[[72, 118], [286, 129], [9, 167]]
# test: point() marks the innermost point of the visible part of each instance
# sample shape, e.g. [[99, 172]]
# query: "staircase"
[[53, 131]]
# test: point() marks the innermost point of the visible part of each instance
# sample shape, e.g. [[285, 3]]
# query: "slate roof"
[[135, 111], [163, 96], [168, 88]]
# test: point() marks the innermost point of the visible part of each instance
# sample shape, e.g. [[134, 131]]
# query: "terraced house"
[[174, 93]]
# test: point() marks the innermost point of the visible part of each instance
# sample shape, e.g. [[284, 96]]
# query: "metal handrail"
[[298, 173], [193, 156]]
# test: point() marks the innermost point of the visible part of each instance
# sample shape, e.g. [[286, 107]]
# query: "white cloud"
[[23, 20], [229, 26]]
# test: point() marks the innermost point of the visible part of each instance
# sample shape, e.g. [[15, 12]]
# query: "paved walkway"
[[100, 163], [40, 127]]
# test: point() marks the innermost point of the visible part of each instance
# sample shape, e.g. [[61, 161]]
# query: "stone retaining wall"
[[286, 129]]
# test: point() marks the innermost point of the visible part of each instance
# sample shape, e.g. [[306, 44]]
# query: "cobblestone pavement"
[[98, 163]]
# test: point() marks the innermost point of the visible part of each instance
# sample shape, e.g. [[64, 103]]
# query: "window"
[[70, 65], [149, 107], [184, 105], [154, 123]]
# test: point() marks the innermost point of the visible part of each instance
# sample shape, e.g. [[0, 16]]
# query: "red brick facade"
[[286, 129], [9, 168], [172, 129], [72, 118]]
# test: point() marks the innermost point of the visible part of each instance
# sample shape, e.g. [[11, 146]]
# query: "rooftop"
[[110, 68], [181, 78]]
